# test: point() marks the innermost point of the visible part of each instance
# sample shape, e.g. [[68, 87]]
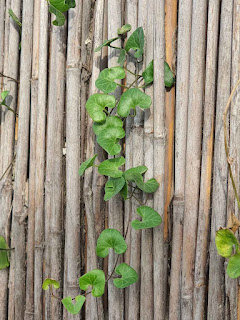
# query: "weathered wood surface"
[[52, 217]]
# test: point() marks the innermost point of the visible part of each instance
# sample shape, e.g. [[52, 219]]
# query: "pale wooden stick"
[[2, 12], [200, 278], [216, 292]]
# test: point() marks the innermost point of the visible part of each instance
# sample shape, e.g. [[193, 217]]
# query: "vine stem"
[[7, 169], [134, 74], [226, 143], [10, 78]]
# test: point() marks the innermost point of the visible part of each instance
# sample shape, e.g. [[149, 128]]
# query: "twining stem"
[[121, 85], [134, 74], [7, 169], [226, 143], [137, 78], [115, 47], [9, 249], [10, 78]]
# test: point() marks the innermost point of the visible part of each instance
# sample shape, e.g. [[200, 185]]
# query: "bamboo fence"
[[52, 217]]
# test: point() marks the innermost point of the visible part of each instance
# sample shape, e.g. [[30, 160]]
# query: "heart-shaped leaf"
[[150, 218], [122, 57], [105, 81], [168, 76], [124, 29], [71, 307], [105, 43], [129, 276], [63, 5], [225, 240], [148, 73], [60, 18], [109, 133], [113, 187], [132, 98], [233, 268], [87, 164], [97, 103], [110, 238], [110, 167], [94, 278], [124, 191], [4, 262], [136, 42], [50, 282]]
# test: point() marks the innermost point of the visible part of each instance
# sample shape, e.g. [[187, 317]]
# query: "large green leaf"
[[124, 29], [136, 42], [148, 73], [113, 187], [63, 5], [129, 276], [71, 307], [105, 43], [168, 76], [110, 238], [233, 268], [4, 262], [97, 103], [60, 18], [225, 240], [50, 282], [110, 167], [132, 98], [105, 80], [109, 133], [150, 218], [94, 278], [87, 164]]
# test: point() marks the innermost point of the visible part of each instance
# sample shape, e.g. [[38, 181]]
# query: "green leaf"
[[168, 75], [106, 43], [71, 3], [4, 95], [94, 278], [87, 164], [225, 240], [122, 57], [71, 307], [150, 218], [136, 42], [129, 276], [110, 238], [109, 133], [233, 268], [4, 262], [15, 18], [148, 73], [124, 191], [60, 18], [105, 81], [50, 282], [62, 5], [139, 169], [110, 167], [132, 98], [97, 103], [124, 29], [113, 187]]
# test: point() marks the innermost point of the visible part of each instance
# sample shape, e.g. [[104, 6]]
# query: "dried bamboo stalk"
[[200, 278], [159, 145], [2, 25], [183, 54], [216, 292], [22, 160]]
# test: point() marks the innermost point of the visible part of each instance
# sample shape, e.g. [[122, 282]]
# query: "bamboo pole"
[[29, 308], [18, 228], [183, 54], [2, 25], [216, 292], [159, 145], [200, 278]]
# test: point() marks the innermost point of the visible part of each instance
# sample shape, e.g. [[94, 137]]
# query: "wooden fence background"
[[52, 217]]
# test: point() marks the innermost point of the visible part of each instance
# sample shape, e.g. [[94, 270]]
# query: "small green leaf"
[[168, 75], [97, 103], [50, 282], [124, 191], [105, 81], [148, 73], [94, 278], [106, 43], [113, 187], [71, 307], [140, 170], [122, 57], [87, 164], [233, 268], [4, 95], [60, 18], [124, 29], [136, 42], [109, 133], [150, 218], [4, 262], [15, 18], [110, 167], [129, 276], [110, 238], [225, 240], [132, 98]]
